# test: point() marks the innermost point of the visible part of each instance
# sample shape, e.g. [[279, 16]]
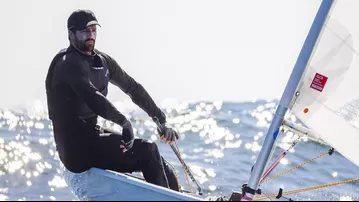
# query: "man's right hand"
[[128, 137]]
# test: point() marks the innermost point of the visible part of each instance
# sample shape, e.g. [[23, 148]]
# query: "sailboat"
[[321, 92]]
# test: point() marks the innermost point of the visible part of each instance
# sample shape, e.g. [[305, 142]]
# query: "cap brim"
[[94, 22]]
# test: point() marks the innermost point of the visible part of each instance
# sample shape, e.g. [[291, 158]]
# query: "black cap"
[[81, 19]]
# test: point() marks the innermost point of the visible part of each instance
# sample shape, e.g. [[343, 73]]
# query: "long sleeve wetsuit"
[[76, 87]]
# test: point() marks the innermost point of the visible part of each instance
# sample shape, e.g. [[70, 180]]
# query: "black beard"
[[82, 46]]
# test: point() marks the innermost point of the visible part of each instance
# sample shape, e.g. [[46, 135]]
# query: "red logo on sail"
[[318, 82]]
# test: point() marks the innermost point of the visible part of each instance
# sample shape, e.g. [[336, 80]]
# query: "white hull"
[[97, 184]]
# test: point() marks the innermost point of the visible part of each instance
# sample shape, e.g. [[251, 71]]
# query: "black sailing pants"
[[143, 156]]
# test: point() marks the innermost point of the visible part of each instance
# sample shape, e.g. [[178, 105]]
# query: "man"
[[76, 86]]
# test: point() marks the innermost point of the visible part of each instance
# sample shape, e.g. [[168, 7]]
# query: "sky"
[[230, 50]]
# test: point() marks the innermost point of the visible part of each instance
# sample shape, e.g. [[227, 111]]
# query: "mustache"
[[90, 40]]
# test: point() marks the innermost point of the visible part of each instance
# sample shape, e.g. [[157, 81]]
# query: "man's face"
[[85, 39]]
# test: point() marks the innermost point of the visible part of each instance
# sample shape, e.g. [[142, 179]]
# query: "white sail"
[[328, 100]]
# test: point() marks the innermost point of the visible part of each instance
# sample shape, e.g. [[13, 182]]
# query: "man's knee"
[[149, 146]]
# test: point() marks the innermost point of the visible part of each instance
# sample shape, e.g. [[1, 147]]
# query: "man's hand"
[[128, 137], [167, 133]]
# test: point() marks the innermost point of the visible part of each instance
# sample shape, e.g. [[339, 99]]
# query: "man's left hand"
[[167, 133]]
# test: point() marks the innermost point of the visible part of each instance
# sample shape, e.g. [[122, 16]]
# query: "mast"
[[286, 99]]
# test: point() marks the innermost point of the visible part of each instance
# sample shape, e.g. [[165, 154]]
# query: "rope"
[[276, 162], [178, 184], [298, 166], [183, 166], [330, 152], [266, 196], [308, 189]]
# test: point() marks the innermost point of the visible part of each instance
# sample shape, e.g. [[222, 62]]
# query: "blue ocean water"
[[218, 140]]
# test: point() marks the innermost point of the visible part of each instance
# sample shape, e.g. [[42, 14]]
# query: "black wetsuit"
[[76, 87]]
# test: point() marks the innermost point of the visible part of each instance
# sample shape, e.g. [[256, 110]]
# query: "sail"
[[328, 95]]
